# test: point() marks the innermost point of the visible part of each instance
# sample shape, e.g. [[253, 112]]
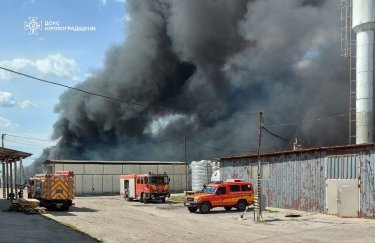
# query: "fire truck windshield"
[[209, 189], [159, 180]]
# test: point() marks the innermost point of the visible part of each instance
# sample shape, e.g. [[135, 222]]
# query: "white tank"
[[364, 26]]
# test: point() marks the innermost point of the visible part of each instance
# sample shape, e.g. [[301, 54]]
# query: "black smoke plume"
[[210, 62]]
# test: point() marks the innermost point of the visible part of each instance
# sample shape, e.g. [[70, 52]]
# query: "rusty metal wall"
[[367, 198], [298, 181], [295, 181]]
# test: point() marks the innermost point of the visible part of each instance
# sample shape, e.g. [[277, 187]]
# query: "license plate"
[[59, 190]]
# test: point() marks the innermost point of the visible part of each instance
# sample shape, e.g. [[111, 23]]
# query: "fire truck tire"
[[241, 205], [205, 208], [192, 210]]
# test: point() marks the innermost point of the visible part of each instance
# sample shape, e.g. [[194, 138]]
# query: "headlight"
[[196, 199]]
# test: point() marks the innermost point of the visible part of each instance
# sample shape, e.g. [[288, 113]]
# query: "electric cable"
[[127, 101], [275, 135]]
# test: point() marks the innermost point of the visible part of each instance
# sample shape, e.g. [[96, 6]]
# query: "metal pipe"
[[364, 26]]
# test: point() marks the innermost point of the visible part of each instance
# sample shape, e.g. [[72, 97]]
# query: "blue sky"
[[66, 57]]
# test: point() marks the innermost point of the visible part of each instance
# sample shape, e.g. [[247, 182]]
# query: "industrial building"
[[336, 180], [102, 177]]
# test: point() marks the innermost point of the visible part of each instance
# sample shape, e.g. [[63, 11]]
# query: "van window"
[[221, 191], [234, 188], [245, 188]]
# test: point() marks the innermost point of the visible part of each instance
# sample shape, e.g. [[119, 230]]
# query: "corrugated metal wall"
[[104, 179], [298, 180], [367, 163]]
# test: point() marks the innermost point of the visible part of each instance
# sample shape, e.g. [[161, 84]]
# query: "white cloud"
[[6, 99], [4, 122], [26, 104], [54, 64]]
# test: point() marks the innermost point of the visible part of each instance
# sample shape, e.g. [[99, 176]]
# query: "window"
[[234, 188], [138, 181], [245, 188], [221, 191]]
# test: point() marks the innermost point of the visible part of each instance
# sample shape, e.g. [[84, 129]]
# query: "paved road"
[[20, 227]]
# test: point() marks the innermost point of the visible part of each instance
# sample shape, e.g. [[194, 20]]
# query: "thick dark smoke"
[[210, 59]]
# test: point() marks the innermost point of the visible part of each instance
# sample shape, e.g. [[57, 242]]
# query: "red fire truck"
[[145, 187]]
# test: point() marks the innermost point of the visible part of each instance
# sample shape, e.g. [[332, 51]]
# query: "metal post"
[[21, 172], [3, 180], [186, 167], [15, 179], [7, 178], [2, 139], [21, 179], [259, 188], [11, 181]]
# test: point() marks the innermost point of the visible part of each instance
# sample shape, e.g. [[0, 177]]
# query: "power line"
[[31, 138], [127, 101], [275, 135], [219, 149], [307, 121]]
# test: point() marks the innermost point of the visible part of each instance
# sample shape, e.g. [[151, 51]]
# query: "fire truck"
[[53, 190], [145, 187]]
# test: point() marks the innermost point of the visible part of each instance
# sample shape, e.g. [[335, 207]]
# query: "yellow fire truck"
[[53, 190]]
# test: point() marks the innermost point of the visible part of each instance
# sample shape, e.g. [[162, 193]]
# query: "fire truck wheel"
[[241, 205], [205, 207], [192, 210]]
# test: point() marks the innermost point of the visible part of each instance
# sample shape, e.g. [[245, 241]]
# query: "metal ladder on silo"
[[348, 49]]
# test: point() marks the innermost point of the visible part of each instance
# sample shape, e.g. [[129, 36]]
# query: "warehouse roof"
[[99, 162], [342, 149], [10, 155]]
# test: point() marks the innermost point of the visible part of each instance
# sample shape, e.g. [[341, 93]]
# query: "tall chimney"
[[364, 26]]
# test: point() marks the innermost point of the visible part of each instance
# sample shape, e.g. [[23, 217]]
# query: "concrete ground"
[[112, 219], [20, 227]]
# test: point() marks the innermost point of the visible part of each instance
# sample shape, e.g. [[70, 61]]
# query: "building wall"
[[94, 179], [298, 181]]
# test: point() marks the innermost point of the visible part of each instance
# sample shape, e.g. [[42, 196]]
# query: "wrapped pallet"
[[201, 172]]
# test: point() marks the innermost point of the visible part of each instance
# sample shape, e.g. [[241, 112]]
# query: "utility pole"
[[2, 139], [186, 167], [259, 188]]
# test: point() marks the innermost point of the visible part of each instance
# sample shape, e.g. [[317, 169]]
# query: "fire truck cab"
[[145, 187]]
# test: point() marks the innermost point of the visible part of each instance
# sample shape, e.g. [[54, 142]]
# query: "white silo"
[[364, 27]]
